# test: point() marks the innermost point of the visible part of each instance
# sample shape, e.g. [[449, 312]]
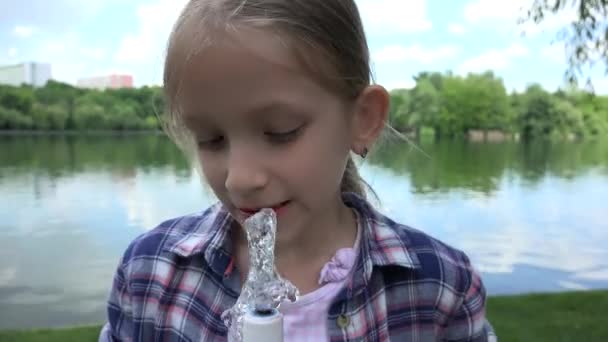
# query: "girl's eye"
[[283, 137], [211, 144]]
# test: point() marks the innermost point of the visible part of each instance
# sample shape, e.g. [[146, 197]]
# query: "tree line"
[[451, 105], [454, 105], [60, 106]]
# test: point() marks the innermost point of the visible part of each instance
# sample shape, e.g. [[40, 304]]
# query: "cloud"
[[552, 23], [490, 10], [417, 53], [96, 53], [394, 16], [67, 54], [59, 16], [23, 31], [495, 59], [12, 52], [505, 14], [400, 84], [154, 23], [145, 46], [554, 53], [457, 29], [66, 66]]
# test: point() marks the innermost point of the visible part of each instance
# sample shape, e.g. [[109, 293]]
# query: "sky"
[[99, 37]]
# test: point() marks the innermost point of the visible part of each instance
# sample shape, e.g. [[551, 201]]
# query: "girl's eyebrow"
[[275, 108], [272, 110]]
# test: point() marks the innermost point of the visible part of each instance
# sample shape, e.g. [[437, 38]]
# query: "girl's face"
[[268, 135]]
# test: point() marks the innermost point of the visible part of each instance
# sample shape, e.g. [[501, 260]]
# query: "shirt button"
[[343, 321]]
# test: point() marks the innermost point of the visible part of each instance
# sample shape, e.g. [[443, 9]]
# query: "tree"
[[535, 118], [586, 39], [20, 99], [13, 119], [474, 102], [49, 117], [89, 115], [425, 104], [399, 109]]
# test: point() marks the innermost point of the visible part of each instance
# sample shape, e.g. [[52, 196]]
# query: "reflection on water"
[[531, 217]]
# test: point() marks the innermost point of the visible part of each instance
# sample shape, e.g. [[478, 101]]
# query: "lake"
[[532, 217]]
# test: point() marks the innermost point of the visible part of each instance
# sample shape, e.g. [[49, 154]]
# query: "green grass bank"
[[572, 316]]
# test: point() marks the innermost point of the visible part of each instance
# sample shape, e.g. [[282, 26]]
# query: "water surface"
[[531, 217]]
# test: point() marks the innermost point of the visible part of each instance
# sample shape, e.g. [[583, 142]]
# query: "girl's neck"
[[334, 229]]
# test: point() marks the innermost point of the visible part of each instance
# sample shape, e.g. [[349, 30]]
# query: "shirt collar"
[[210, 237], [384, 243]]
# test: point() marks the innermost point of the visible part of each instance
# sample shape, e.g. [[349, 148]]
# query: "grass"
[[573, 316], [80, 334]]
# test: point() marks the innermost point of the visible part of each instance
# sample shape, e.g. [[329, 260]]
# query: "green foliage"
[[17, 98], [399, 109], [425, 104], [457, 105], [59, 106], [13, 119], [446, 104]]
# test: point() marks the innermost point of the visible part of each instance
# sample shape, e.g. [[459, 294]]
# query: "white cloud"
[[12, 52], [23, 31], [457, 29], [400, 84], [142, 51], [494, 59], [492, 10], [517, 50], [55, 17], [505, 14], [554, 53], [68, 55], [600, 84], [394, 16], [417, 53], [595, 275], [154, 26], [552, 23], [94, 53]]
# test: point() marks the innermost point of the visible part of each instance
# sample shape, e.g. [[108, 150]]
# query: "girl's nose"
[[245, 173]]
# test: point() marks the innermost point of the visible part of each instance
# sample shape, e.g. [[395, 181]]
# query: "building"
[[30, 73], [105, 82]]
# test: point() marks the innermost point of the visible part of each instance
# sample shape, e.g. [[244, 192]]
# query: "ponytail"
[[352, 181]]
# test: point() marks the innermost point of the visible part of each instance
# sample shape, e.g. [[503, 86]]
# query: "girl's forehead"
[[248, 45], [249, 69]]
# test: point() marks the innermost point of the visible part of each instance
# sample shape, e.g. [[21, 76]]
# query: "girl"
[[270, 98]]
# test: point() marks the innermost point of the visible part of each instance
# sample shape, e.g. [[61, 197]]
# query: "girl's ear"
[[371, 114]]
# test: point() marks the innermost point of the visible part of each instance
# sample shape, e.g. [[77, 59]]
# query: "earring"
[[364, 153]]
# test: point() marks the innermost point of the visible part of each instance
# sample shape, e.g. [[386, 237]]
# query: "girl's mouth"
[[278, 209]]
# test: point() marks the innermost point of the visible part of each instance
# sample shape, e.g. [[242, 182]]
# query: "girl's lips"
[[277, 209]]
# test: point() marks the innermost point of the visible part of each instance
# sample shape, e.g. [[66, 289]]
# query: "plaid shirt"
[[172, 284]]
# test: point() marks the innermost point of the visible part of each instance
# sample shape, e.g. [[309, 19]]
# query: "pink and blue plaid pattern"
[[172, 285]]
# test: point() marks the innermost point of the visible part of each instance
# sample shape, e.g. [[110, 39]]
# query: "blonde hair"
[[329, 29]]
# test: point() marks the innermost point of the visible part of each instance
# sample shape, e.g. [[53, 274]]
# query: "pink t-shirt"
[[306, 319]]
